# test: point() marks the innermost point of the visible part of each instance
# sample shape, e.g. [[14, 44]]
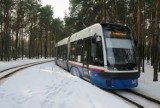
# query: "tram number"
[[134, 81]]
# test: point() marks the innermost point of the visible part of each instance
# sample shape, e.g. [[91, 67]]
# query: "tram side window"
[[58, 52], [76, 51], [97, 53], [62, 52], [79, 51], [60, 55], [65, 52], [72, 51]]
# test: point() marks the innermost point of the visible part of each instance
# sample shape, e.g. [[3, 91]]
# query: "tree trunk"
[[6, 34], [152, 39], [156, 58], [159, 67], [45, 45], [17, 39], [2, 42], [139, 36], [22, 45], [30, 42], [143, 39], [104, 16]]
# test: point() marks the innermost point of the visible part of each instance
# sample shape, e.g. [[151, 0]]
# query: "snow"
[[144, 102], [146, 85], [49, 86], [5, 65]]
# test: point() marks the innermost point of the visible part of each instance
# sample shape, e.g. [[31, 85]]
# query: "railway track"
[[139, 100], [10, 71], [144, 96], [135, 104]]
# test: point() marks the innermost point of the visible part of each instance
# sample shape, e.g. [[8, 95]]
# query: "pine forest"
[[30, 30]]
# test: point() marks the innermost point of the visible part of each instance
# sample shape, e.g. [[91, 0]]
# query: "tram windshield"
[[120, 50]]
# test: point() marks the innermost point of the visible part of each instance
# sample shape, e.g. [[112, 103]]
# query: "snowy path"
[[48, 86]]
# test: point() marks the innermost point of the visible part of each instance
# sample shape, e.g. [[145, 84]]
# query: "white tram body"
[[103, 54]]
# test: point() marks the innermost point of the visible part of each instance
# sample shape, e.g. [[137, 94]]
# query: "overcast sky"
[[59, 6]]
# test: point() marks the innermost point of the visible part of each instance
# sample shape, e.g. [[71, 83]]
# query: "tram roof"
[[87, 32], [62, 42]]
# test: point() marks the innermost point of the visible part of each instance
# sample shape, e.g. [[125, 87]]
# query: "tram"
[[103, 54]]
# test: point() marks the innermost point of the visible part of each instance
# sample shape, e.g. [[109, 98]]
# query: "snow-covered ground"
[[146, 85], [48, 86], [5, 65]]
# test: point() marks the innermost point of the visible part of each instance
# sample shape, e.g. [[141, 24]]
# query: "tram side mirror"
[[96, 38], [93, 39]]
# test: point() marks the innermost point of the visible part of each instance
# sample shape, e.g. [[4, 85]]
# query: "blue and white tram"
[[61, 53], [103, 54]]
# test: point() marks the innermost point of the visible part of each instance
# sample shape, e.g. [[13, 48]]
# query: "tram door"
[[86, 53]]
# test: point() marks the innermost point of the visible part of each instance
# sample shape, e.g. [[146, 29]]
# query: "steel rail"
[[127, 99], [144, 96]]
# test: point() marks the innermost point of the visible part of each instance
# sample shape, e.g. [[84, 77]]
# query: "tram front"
[[121, 66]]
